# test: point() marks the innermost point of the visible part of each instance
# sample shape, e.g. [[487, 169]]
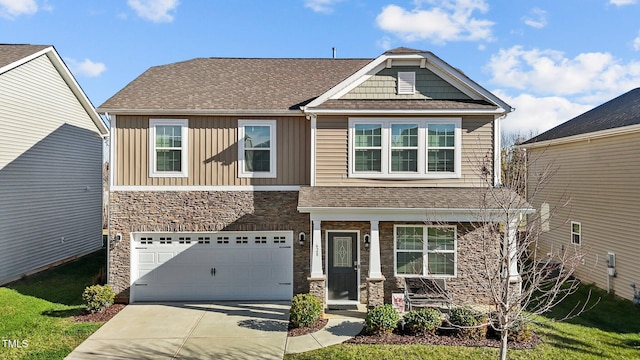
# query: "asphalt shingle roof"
[[11, 52], [621, 111], [234, 84], [408, 197]]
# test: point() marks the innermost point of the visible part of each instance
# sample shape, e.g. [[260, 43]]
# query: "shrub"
[[468, 322], [98, 297], [381, 319], [423, 321], [520, 332], [306, 310]]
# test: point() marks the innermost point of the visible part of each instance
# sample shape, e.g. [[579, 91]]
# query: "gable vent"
[[406, 82]]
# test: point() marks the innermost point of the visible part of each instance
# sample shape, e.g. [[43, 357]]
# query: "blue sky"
[[551, 60]]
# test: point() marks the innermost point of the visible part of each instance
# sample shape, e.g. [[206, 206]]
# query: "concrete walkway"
[[219, 330], [342, 325]]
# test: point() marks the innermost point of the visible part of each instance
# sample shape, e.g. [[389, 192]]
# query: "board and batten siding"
[[213, 152], [332, 155], [599, 178], [50, 172]]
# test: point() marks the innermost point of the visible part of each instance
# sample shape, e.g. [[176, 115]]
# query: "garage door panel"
[[248, 266]]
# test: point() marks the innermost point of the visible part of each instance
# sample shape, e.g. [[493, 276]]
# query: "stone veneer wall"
[[167, 211], [468, 287]]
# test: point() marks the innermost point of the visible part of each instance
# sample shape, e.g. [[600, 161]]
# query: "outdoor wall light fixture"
[[366, 241], [301, 238], [118, 238]]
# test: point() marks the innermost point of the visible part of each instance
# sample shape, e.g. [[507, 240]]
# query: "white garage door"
[[212, 266]]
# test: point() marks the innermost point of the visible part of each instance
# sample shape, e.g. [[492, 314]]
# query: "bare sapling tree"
[[522, 280]]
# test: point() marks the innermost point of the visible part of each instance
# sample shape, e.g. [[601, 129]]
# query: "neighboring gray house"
[[50, 163], [595, 159]]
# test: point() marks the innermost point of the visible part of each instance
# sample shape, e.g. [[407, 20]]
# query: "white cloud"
[[636, 43], [321, 6], [157, 11], [587, 77], [537, 18], [622, 2], [86, 68], [535, 115], [10, 9], [442, 21]]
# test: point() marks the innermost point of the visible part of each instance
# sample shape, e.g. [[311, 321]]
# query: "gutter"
[[624, 130]]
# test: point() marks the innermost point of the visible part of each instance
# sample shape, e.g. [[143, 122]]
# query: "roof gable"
[[13, 56], [458, 85], [616, 113], [384, 85]]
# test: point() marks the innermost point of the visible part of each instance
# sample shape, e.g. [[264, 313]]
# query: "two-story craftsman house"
[[242, 179]]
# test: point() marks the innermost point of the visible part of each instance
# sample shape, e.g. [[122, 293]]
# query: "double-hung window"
[[257, 148], [425, 250], [576, 233], [168, 144], [405, 148]]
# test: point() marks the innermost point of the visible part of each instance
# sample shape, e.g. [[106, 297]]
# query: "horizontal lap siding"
[[50, 171], [600, 180], [332, 155], [213, 152]]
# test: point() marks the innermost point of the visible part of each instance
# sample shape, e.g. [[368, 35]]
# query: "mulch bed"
[[294, 331], [105, 315], [440, 338]]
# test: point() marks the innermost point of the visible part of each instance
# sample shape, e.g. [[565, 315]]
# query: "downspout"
[[497, 156], [109, 183]]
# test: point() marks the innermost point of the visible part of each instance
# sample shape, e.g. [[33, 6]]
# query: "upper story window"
[[168, 154], [576, 233], [257, 148], [425, 250], [405, 148], [406, 83]]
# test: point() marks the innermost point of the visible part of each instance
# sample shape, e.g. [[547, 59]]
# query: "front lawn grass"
[[38, 311], [608, 330]]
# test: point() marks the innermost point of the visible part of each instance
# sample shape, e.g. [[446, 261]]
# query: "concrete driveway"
[[219, 330]]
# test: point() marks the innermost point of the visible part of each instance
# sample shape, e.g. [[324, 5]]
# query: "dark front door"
[[342, 282]]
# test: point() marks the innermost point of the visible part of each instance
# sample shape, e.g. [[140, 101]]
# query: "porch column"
[[375, 280], [316, 251], [512, 239], [375, 271]]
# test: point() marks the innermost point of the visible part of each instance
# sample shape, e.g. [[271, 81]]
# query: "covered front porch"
[[365, 240]]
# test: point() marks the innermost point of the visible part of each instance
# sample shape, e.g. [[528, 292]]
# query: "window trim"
[[184, 149], [423, 148], [426, 252], [578, 233], [272, 124]]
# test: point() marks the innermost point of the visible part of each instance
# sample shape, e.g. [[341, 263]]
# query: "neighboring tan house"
[[238, 178], [50, 163], [594, 158]]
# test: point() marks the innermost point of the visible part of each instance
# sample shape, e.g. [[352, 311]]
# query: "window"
[[576, 233], [168, 139], [406, 83], [256, 148], [368, 147], [404, 148], [425, 250], [544, 217]]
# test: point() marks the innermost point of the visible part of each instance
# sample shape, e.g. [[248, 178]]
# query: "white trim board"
[[209, 188]]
